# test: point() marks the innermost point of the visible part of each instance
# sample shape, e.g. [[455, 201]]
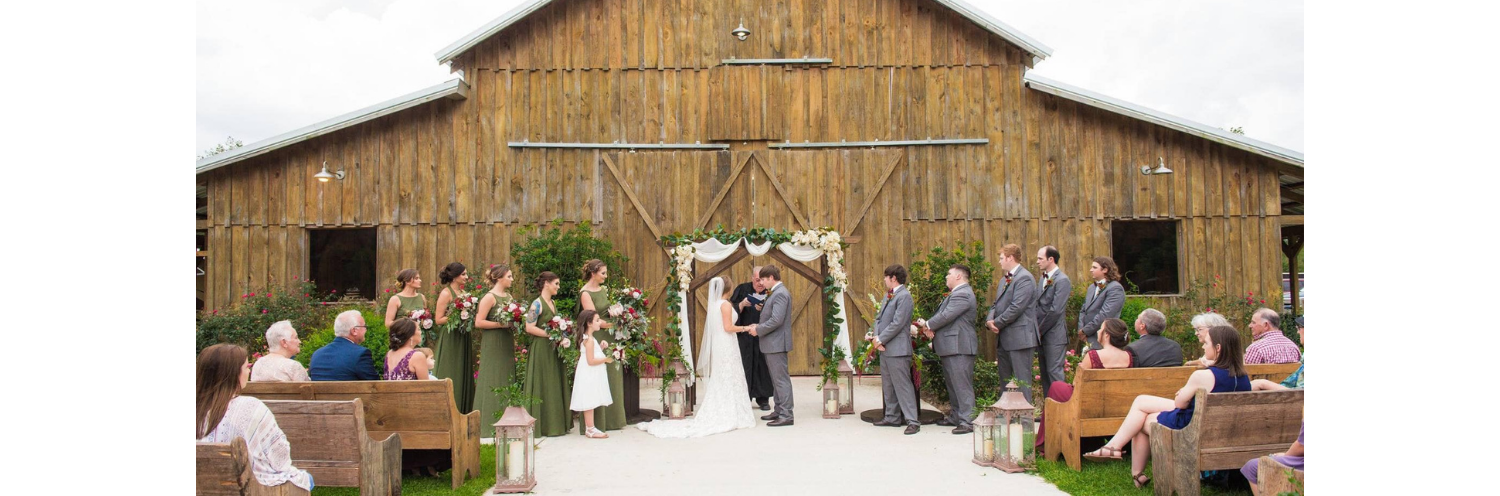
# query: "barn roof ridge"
[[1104, 102], [453, 89], [1037, 49]]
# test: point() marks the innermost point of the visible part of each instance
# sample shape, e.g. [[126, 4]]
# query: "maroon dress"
[[1061, 392]]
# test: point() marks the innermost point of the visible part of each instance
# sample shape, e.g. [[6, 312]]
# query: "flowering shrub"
[[245, 322]]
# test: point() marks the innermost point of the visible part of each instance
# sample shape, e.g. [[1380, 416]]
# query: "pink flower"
[[1038, 378], [262, 310], [1252, 293]]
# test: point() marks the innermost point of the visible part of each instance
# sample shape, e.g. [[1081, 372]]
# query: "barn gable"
[[545, 34]]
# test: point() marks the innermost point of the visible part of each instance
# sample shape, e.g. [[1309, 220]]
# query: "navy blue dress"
[[1178, 418]]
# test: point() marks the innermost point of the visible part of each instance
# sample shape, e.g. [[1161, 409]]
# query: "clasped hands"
[[751, 329]]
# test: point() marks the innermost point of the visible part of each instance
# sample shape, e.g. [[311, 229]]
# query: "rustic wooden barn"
[[905, 124]]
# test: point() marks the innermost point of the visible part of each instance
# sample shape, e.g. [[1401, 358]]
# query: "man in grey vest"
[[775, 333], [951, 329], [893, 339], [1051, 304], [1012, 318], [1104, 300]]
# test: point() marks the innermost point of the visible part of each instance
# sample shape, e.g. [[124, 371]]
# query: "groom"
[[893, 339], [775, 333]]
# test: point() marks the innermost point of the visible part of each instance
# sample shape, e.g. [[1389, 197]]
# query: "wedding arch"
[[726, 247]]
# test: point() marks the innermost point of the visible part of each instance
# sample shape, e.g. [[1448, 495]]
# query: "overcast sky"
[[270, 66]]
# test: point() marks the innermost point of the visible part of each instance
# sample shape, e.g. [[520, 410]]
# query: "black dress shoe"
[[945, 422], [768, 417], [779, 422], [765, 407], [883, 423], [912, 429], [963, 429]]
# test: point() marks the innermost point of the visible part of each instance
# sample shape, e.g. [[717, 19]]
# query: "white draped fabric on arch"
[[820, 244]]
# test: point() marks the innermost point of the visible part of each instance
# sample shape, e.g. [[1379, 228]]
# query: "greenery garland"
[[825, 239]]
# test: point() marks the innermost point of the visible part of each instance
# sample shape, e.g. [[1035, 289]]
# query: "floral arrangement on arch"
[[824, 239], [628, 314]]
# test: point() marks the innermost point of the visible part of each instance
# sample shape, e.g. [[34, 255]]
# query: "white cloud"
[[271, 66]]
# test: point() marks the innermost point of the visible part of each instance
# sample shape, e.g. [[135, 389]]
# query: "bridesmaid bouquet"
[[513, 314], [558, 332], [631, 325], [461, 313], [423, 318]]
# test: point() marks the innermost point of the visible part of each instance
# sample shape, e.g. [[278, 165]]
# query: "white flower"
[[464, 315], [565, 343], [616, 310], [869, 336], [427, 324], [620, 354], [913, 330]]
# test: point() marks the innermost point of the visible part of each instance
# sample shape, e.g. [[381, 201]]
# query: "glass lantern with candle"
[[846, 388], [677, 393], [1015, 443], [985, 432], [515, 471], [831, 399]]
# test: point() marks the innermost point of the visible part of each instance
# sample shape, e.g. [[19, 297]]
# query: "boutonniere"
[[1100, 285], [890, 294], [945, 295], [1007, 279]]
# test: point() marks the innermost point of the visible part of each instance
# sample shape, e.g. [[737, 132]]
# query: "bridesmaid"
[[595, 297], [497, 347], [455, 350], [544, 369], [407, 300]]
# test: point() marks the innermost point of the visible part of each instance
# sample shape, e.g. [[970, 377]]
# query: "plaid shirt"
[[1272, 347]]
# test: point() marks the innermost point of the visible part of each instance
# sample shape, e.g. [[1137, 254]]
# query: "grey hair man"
[[278, 365], [344, 359], [1153, 350]]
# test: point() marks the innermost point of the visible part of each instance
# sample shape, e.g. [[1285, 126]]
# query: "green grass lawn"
[[1101, 478], [443, 484]]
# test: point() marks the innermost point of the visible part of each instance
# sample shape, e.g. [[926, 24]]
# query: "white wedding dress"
[[726, 399]]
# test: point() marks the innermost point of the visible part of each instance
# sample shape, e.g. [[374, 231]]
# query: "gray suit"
[[775, 332], [1098, 307], [1013, 315], [956, 344], [1051, 304], [893, 329]]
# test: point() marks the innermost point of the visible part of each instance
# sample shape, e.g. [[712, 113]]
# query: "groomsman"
[[1104, 300], [893, 339], [1011, 317], [951, 329], [1051, 304]]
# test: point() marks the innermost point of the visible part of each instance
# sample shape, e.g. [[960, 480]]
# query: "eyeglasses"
[[358, 327]]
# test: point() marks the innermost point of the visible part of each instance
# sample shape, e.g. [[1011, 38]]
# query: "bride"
[[726, 403]]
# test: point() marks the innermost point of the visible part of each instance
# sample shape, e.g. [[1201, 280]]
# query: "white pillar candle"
[[1015, 442], [989, 450], [515, 460], [833, 406], [676, 409]]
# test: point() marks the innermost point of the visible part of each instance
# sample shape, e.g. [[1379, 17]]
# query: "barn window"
[[1146, 252], [343, 260]]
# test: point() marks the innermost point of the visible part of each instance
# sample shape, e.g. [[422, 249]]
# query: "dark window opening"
[[1146, 252], [343, 260]]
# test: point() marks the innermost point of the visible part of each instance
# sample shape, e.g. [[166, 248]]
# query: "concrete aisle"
[[815, 456]]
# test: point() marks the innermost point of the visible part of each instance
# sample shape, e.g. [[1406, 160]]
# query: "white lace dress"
[[726, 400]]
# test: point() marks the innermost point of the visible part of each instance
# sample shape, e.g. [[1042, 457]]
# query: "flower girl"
[[590, 382]]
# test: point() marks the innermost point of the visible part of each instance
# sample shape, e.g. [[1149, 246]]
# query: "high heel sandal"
[[1140, 484], [1104, 454], [594, 433]]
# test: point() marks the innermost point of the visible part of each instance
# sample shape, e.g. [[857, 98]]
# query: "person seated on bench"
[[223, 370], [1153, 350], [344, 359], [278, 365], [404, 362], [1292, 459], [1113, 355], [1201, 324], [1294, 381], [1227, 374]]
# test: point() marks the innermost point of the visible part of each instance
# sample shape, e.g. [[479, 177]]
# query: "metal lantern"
[[846, 388], [677, 393], [985, 432], [1015, 443], [831, 399], [515, 469]]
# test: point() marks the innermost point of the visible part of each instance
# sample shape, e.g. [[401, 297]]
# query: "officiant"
[[748, 299]]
